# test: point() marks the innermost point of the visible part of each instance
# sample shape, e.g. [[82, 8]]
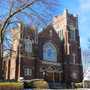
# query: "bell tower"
[[66, 25]]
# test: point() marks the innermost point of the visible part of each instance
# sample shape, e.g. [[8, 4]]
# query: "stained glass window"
[[49, 52]]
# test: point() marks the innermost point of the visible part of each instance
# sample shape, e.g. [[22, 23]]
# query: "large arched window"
[[49, 52]]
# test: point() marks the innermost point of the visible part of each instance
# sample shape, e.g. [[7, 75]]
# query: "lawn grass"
[[11, 84]]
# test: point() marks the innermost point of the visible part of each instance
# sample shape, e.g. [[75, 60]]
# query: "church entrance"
[[53, 76]]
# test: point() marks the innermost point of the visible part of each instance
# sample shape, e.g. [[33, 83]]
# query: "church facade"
[[53, 54]]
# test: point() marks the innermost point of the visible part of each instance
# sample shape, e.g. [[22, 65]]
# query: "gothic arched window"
[[28, 45], [49, 52]]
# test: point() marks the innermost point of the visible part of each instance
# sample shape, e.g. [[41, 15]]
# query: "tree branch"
[[14, 13]]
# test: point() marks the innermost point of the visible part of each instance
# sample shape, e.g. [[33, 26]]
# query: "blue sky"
[[82, 8]]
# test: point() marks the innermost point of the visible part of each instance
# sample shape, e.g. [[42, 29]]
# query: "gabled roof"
[[47, 29]]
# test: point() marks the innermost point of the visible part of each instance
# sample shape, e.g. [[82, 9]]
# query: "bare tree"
[[14, 11]]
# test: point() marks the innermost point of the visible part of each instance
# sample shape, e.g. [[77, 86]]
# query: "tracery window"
[[49, 52]]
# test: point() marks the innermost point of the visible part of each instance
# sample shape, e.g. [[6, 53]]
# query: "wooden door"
[[49, 76]]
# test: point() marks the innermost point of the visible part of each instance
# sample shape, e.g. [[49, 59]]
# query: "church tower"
[[21, 62], [66, 25]]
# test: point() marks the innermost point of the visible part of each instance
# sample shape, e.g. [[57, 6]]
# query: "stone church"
[[53, 54]]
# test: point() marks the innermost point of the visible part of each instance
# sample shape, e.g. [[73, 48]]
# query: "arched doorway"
[[51, 74]]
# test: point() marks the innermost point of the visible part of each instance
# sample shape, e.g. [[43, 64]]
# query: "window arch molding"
[[49, 52]]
